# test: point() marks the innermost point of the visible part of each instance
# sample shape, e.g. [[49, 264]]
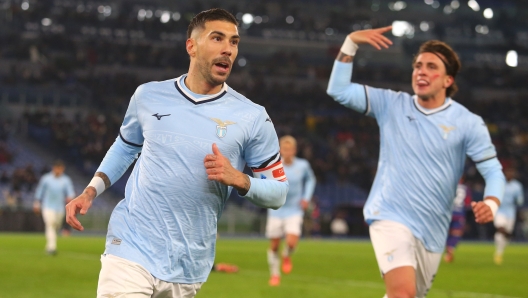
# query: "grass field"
[[323, 268]]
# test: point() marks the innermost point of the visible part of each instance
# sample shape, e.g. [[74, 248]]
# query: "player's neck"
[[431, 102], [288, 161], [197, 84]]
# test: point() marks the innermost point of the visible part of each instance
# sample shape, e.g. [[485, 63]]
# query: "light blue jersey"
[[302, 186], [168, 219], [53, 191], [513, 197], [422, 155]]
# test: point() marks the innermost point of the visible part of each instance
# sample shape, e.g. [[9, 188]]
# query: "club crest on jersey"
[[221, 128], [447, 130]]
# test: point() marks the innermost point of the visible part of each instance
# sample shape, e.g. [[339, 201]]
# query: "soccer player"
[[53, 191], [195, 134], [424, 142], [287, 221], [458, 221], [505, 219]]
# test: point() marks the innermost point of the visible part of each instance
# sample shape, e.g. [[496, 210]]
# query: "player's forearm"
[[116, 161], [343, 91], [491, 171], [267, 193]]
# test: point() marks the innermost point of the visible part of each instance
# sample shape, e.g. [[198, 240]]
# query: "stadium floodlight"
[[424, 26], [165, 17], [141, 14], [429, 2], [242, 62], [435, 4], [512, 58], [46, 22], [488, 13], [455, 4], [247, 18], [399, 5], [401, 28], [148, 14], [107, 11], [473, 4], [176, 16], [24, 5], [257, 20], [290, 19], [448, 9], [482, 29]]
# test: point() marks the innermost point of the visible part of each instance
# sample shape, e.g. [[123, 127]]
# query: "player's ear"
[[190, 45], [448, 82]]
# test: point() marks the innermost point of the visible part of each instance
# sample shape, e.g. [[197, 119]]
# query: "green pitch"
[[321, 269]]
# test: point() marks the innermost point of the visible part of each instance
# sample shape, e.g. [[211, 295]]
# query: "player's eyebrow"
[[224, 35]]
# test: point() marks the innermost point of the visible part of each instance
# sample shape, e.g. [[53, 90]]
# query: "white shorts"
[[278, 227], [123, 278], [502, 221], [52, 219], [395, 246]]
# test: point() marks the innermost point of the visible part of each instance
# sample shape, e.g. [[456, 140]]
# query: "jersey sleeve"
[[309, 182], [519, 198], [262, 150], [70, 192], [478, 141], [131, 132], [361, 98], [39, 192]]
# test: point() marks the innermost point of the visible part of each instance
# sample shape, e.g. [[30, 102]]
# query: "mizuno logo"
[[159, 116], [268, 119], [411, 118], [221, 128]]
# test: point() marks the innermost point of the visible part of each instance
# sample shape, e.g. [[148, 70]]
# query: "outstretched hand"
[[79, 205], [373, 37]]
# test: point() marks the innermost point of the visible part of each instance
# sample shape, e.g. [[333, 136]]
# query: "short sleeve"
[[131, 132], [479, 145], [262, 148]]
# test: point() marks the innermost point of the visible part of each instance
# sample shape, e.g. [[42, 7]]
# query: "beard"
[[205, 70]]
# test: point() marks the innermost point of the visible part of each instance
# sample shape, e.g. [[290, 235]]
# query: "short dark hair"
[[58, 163], [451, 61], [214, 14]]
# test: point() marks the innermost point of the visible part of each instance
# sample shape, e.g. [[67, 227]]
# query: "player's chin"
[[220, 77]]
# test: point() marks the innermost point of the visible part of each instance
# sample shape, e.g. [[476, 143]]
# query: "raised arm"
[[340, 88]]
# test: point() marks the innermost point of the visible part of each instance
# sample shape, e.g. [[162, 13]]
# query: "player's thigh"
[[163, 289], [274, 227], [293, 225], [426, 269], [393, 245], [122, 278], [400, 281], [51, 217]]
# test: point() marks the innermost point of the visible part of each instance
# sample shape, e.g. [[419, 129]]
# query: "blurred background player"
[[425, 139], [505, 220], [54, 190], [287, 221], [458, 221], [225, 267]]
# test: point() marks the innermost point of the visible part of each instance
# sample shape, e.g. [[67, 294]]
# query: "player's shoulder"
[[462, 113], [244, 101], [155, 86], [301, 161]]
